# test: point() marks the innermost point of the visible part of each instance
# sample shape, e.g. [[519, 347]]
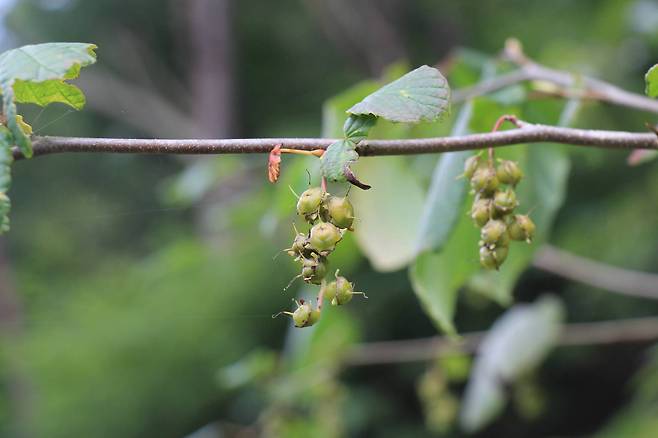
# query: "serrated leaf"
[[36, 74], [422, 94], [651, 81], [356, 128], [446, 194], [338, 156], [516, 344]]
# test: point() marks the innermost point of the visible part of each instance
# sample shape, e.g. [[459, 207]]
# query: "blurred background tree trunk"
[[212, 73]]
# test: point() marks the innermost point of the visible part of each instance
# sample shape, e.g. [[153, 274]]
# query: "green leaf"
[[356, 128], [516, 344], [386, 215], [422, 94], [446, 194], [338, 156], [6, 159], [44, 93], [651, 80], [36, 74], [436, 278]]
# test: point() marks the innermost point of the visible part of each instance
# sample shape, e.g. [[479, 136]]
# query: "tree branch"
[[585, 87], [527, 133], [575, 334], [599, 275]]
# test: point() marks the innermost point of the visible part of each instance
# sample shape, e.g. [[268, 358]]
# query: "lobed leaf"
[[422, 94]]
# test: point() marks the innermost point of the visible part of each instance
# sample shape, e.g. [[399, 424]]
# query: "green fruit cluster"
[[329, 217], [493, 208]]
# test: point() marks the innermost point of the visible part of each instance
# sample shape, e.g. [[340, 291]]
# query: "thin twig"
[[575, 334], [528, 133], [599, 275], [583, 86]]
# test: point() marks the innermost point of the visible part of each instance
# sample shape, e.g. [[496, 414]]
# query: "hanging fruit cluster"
[[493, 208], [330, 218]]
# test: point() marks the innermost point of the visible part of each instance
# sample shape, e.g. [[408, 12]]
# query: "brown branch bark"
[[575, 334], [528, 133]]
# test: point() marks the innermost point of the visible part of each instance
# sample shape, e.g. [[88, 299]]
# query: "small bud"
[[493, 231], [484, 180], [323, 237], [339, 211], [309, 203], [481, 211], [314, 270], [522, 228], [508, 172], [299, 246], [493, 258], [505, 201], [470, 166]]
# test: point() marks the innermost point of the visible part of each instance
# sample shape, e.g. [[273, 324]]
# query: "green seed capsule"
[[522, 228], [339, 211], [309, 202], [329, 290], [505, 201], [508, 172], [470, 166], [323, 237], [314, 270], [299, 246], [493, 231], [304, 315], [481, 211], [484, 180], [493, 258]]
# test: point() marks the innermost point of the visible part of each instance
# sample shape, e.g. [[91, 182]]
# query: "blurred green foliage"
[[146, 297]]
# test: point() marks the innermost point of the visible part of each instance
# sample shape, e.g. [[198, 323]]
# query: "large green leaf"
[[516, 344], [651, 80], [446, 195], [422, 94], [437, 277], [36, 74], [387, 215]]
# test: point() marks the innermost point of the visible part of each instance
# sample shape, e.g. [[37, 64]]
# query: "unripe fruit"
[[522, 228], [470, 166], [505, 201], [493, 231], [298, 247], [305, 315], [508, 172], [493, 258], [344, 291], [314, 270], [309, 202], [323, 237], [481, 211], [339, 211], [329, 291], [484, 180]]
